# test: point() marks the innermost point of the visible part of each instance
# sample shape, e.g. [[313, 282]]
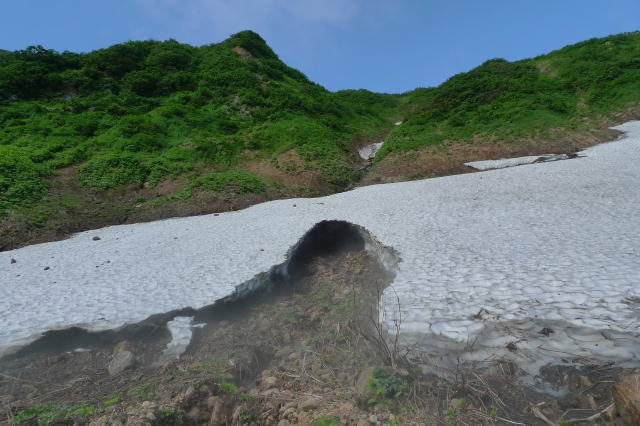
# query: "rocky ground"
[[309, 352]]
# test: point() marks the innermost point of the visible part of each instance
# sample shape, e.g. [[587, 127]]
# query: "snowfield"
[[485, 259]]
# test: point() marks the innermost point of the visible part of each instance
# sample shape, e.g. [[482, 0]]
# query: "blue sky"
[[380, 45]]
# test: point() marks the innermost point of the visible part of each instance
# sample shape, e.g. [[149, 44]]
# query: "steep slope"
[[194, 118], [515, 108], [147, 130]]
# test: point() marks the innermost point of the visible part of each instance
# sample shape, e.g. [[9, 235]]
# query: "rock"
[[194, 414], [238, 411], [373, 419], [211, 402], [105, 421], [46, 268], [96, 238], [218, 414], [310, 403], [286, 395], [191, 390], [362, 385], [13, 261], [283, 352], [345, 408], [585, 383], [271, 392], [121, 361], [269, 382], [236, 362], [122, 346], [290, 413], [401, 372], [294, 356], [457, 403], [546, 331], [626, 395]]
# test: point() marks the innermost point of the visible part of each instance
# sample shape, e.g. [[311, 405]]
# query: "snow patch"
[[517, 161], [369, 152], [181, 333]]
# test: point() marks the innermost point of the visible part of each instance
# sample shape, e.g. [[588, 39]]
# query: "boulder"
[[122, 346], [626, 395], [310, 403], [121, 361], [363, 392], [269, 383], [219, 414]]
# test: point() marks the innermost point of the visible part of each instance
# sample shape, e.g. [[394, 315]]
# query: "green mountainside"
[[570, 88], [83, 135]]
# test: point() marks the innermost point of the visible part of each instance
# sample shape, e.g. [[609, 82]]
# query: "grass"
[[386, 387], [227, 387], [52, 413], [327, 421], [236, 182], [112, 400], [142, 392]]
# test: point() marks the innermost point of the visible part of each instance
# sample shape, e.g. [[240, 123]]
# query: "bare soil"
[[72, 208]]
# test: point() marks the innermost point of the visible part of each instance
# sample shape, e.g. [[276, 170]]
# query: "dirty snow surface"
[[512, 162], [485, 259]]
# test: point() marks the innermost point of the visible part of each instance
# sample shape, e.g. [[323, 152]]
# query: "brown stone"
[[218, 413], [362, 384], [122, 346], [626, 395], [310, 403], [121, 361], [269, 383]]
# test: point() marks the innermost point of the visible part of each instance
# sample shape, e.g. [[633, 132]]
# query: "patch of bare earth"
[[306, 350], [71, 208], [289, 170]]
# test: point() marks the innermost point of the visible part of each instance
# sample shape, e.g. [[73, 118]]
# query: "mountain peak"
[[252, 43]]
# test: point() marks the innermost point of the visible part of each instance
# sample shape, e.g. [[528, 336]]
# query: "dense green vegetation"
[[138, 113], [566, 89]]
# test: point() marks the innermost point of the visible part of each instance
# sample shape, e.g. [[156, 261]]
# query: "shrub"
[[21, 180], [237, 182], [109, 170], [385, 384]]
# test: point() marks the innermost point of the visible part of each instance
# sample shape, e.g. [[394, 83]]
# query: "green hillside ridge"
[[567, 89], [141, 113]]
